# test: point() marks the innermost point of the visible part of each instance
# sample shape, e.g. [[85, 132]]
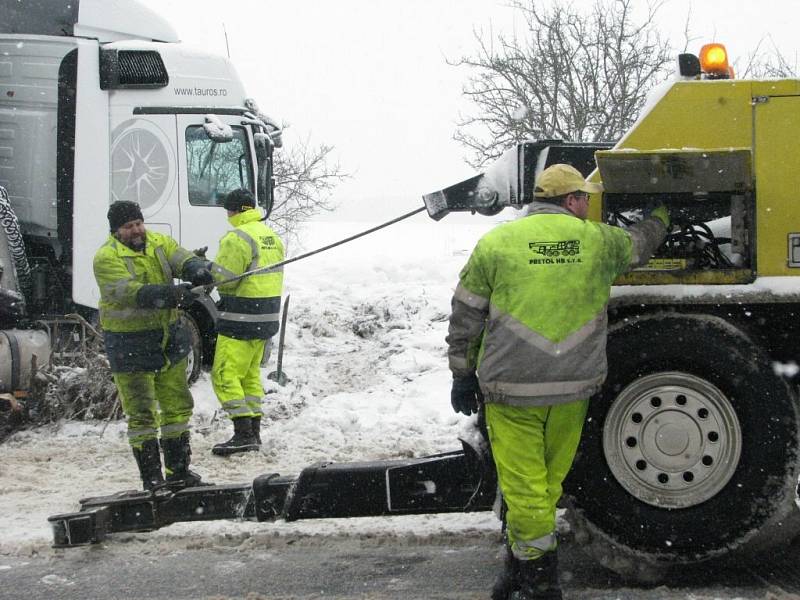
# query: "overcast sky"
[[370, 76]]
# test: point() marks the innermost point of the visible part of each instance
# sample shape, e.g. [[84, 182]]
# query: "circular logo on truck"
[[142, 165]]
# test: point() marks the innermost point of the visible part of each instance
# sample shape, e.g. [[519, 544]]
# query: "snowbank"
[[365, 353]]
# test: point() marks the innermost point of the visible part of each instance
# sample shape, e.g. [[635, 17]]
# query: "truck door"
[[777, 169], [144, 168], [210, 169]]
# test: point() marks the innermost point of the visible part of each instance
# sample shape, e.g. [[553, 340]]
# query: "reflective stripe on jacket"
[[139, 339], [530, 307], [250, 307], [121, 272]]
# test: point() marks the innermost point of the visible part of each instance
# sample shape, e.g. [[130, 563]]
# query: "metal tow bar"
[[458, 481]]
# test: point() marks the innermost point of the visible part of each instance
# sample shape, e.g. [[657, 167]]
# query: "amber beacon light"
[[714, 62]]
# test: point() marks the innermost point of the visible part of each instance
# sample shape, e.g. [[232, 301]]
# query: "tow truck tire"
[[195, 364], [689, 451]]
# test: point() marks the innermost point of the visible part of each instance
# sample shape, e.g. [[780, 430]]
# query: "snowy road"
[[262, 566], [365, 350]]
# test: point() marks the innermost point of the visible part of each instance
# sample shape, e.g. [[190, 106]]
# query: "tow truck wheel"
[[195, 362], [689, 451]]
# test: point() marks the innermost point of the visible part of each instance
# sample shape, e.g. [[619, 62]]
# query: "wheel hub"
[[672, 439]]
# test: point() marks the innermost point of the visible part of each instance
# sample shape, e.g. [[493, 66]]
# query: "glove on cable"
[[165, 296], [465, 394], [198, 272], [202, 277], [183, 294]]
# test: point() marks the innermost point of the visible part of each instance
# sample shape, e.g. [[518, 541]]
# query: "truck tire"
[[689, 451], [195, 363]]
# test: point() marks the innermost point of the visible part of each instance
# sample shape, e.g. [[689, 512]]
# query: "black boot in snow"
[[508, 579], [255, 425], [538, 579], [243, 439], [148, 459], [177, 455]]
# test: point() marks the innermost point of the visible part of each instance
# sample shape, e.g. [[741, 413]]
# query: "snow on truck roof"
[[104, 20]]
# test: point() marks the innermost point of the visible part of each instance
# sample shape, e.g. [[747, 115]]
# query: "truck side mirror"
[[264, 189], [263, 143], [217, 131]]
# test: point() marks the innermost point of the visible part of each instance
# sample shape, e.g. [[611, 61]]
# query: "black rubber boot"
[[148, 459], [538, 579], [255, 425], [177, 455], [243, 439], [507, 580]]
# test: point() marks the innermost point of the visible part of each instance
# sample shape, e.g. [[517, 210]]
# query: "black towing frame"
[[458, 481]]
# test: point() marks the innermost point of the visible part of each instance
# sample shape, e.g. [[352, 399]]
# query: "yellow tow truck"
[[691, 448], [690, 451]]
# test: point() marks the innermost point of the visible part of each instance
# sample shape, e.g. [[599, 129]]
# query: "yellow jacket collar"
[[123, 250], [248, 216]]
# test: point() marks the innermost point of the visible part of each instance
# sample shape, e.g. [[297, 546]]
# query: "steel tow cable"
[[209, 286]]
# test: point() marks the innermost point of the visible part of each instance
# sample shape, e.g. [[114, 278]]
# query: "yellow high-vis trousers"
[[533, 449], [236, 376], [153, 400]]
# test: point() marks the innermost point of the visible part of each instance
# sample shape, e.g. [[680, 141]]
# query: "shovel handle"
[[282, 335]]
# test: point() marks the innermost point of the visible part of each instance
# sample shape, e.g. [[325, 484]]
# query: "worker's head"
[[238, 201], [564, 185], [127, 224]]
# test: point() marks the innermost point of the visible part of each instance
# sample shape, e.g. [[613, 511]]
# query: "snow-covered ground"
[[365, 352]]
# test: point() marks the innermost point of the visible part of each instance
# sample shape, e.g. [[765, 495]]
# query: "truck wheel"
[[689, 450], [195, 362]]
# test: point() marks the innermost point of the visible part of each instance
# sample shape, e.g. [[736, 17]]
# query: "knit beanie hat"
[[122, 211], [239, 200]]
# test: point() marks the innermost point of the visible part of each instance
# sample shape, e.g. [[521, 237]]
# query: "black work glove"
[[198, 271], [201, 252], [183, 294], [465, 395], [164, 295], [202, 276]]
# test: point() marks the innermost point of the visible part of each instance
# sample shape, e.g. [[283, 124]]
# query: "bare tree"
[[769, 63], [569, 75], [305, 177]]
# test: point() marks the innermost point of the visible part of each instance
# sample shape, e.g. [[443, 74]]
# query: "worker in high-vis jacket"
[[249, 313], [527, 338], [146, 344]]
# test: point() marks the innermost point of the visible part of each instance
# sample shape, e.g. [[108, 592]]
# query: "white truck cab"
[[99, 101]]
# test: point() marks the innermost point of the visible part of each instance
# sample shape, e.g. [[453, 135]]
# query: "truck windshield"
[[214, 169]]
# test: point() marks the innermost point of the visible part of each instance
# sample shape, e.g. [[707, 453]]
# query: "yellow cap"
[[561, 179]]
